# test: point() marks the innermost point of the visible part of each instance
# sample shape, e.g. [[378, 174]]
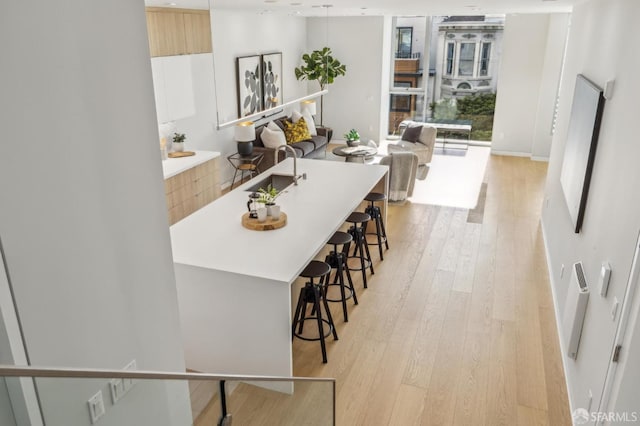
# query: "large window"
[[404, 39], [451, 49], [484, 59], [467, 54]]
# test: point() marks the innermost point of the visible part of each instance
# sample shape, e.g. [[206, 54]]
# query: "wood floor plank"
[[440, 402], [465, 269], [421, 362], [502, 387], [473, 379], [528, 416], [408, 408]]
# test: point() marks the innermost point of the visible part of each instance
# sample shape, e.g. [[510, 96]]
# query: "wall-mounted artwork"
[[272, 79], [249, 70], [580, 150]]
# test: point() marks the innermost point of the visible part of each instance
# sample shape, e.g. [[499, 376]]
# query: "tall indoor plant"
[[320, 65]]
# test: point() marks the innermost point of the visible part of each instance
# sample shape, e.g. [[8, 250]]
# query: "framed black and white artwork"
[[272, 79], [580, 149], [249, 69]]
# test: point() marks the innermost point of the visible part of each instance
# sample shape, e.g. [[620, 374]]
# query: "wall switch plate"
[[96, 407], [117, 389], [614, 308], [129, 383], [605, 276], [589, 401], [561, 270]]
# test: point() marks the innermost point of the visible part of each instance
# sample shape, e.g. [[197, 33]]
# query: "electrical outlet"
[[96, 407]]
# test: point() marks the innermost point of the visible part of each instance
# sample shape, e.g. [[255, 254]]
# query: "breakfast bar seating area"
[[255, 272]]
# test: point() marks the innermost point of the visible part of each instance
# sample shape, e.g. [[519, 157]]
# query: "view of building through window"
[[446, 71]]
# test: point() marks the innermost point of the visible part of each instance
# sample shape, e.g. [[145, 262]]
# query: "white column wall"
[[549, 84], [523, 52], [598, 48], [83, 218], [354, 100]]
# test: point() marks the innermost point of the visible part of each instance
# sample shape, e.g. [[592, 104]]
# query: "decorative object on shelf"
[[320, 66], [249, 81], [245, 134], [178, 142], [352, 137], [308, 106], [272, 80]]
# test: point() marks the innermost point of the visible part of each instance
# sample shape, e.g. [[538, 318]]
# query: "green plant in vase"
[[352, 137], [178, 142]]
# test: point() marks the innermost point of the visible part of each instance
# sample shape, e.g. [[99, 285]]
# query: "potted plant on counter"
[[178, 142], [268, 198]]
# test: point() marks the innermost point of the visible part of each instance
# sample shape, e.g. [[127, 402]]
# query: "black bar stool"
[[361, 250], [313, 293], [338, 261], [374, 211]]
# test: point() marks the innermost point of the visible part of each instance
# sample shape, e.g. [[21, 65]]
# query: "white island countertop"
[[214, 238]]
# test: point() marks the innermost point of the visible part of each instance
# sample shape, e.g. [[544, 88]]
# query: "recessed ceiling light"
[[270, 1], [171, 4], [296, 4]]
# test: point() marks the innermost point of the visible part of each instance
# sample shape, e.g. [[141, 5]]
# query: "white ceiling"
[[377, 7]]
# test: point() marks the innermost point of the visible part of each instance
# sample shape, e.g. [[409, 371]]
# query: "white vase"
[[178, 146]]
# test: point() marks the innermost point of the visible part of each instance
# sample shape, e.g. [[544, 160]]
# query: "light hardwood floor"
[[457, 326]]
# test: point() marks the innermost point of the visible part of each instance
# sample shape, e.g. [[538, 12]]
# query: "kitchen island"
[[234, 284]]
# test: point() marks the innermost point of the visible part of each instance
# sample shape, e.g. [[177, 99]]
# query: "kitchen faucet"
[[295, 166]]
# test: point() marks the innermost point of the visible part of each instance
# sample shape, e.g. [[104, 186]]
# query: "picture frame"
[[580, 148], [249, 83], [272, 94]]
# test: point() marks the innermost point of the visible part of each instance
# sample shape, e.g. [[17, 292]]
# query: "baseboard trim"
[[511, 153], [537, 158], [557, 312]]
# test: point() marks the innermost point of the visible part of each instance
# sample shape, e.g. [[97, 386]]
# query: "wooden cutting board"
[[267, 225], [181, 154]]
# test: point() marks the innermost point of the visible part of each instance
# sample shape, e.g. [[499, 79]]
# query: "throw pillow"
[[412, 133], [273, 138], [296, 132], [276, 125], [427, 135], [308, 119]]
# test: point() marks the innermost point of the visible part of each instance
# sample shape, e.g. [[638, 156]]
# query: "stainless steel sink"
[[279, 182]]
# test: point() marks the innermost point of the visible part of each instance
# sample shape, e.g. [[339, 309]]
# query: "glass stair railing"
[[72, 397]]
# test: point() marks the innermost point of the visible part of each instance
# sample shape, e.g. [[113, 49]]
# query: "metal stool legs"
[[361, 250], [313, 293], [338, 261]]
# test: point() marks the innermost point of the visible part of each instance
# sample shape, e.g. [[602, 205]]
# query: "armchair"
[[419, 138]]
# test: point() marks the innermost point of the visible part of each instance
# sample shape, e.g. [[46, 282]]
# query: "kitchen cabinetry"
[[193, 188], [178, 31]]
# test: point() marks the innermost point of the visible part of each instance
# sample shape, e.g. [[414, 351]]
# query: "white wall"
[[523, 52], [83, 217], [6, 412], [549, 84], [241, 33], [598, 48], [354, 100]]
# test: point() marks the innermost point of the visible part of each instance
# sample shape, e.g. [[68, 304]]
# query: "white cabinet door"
[[173, 85]]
